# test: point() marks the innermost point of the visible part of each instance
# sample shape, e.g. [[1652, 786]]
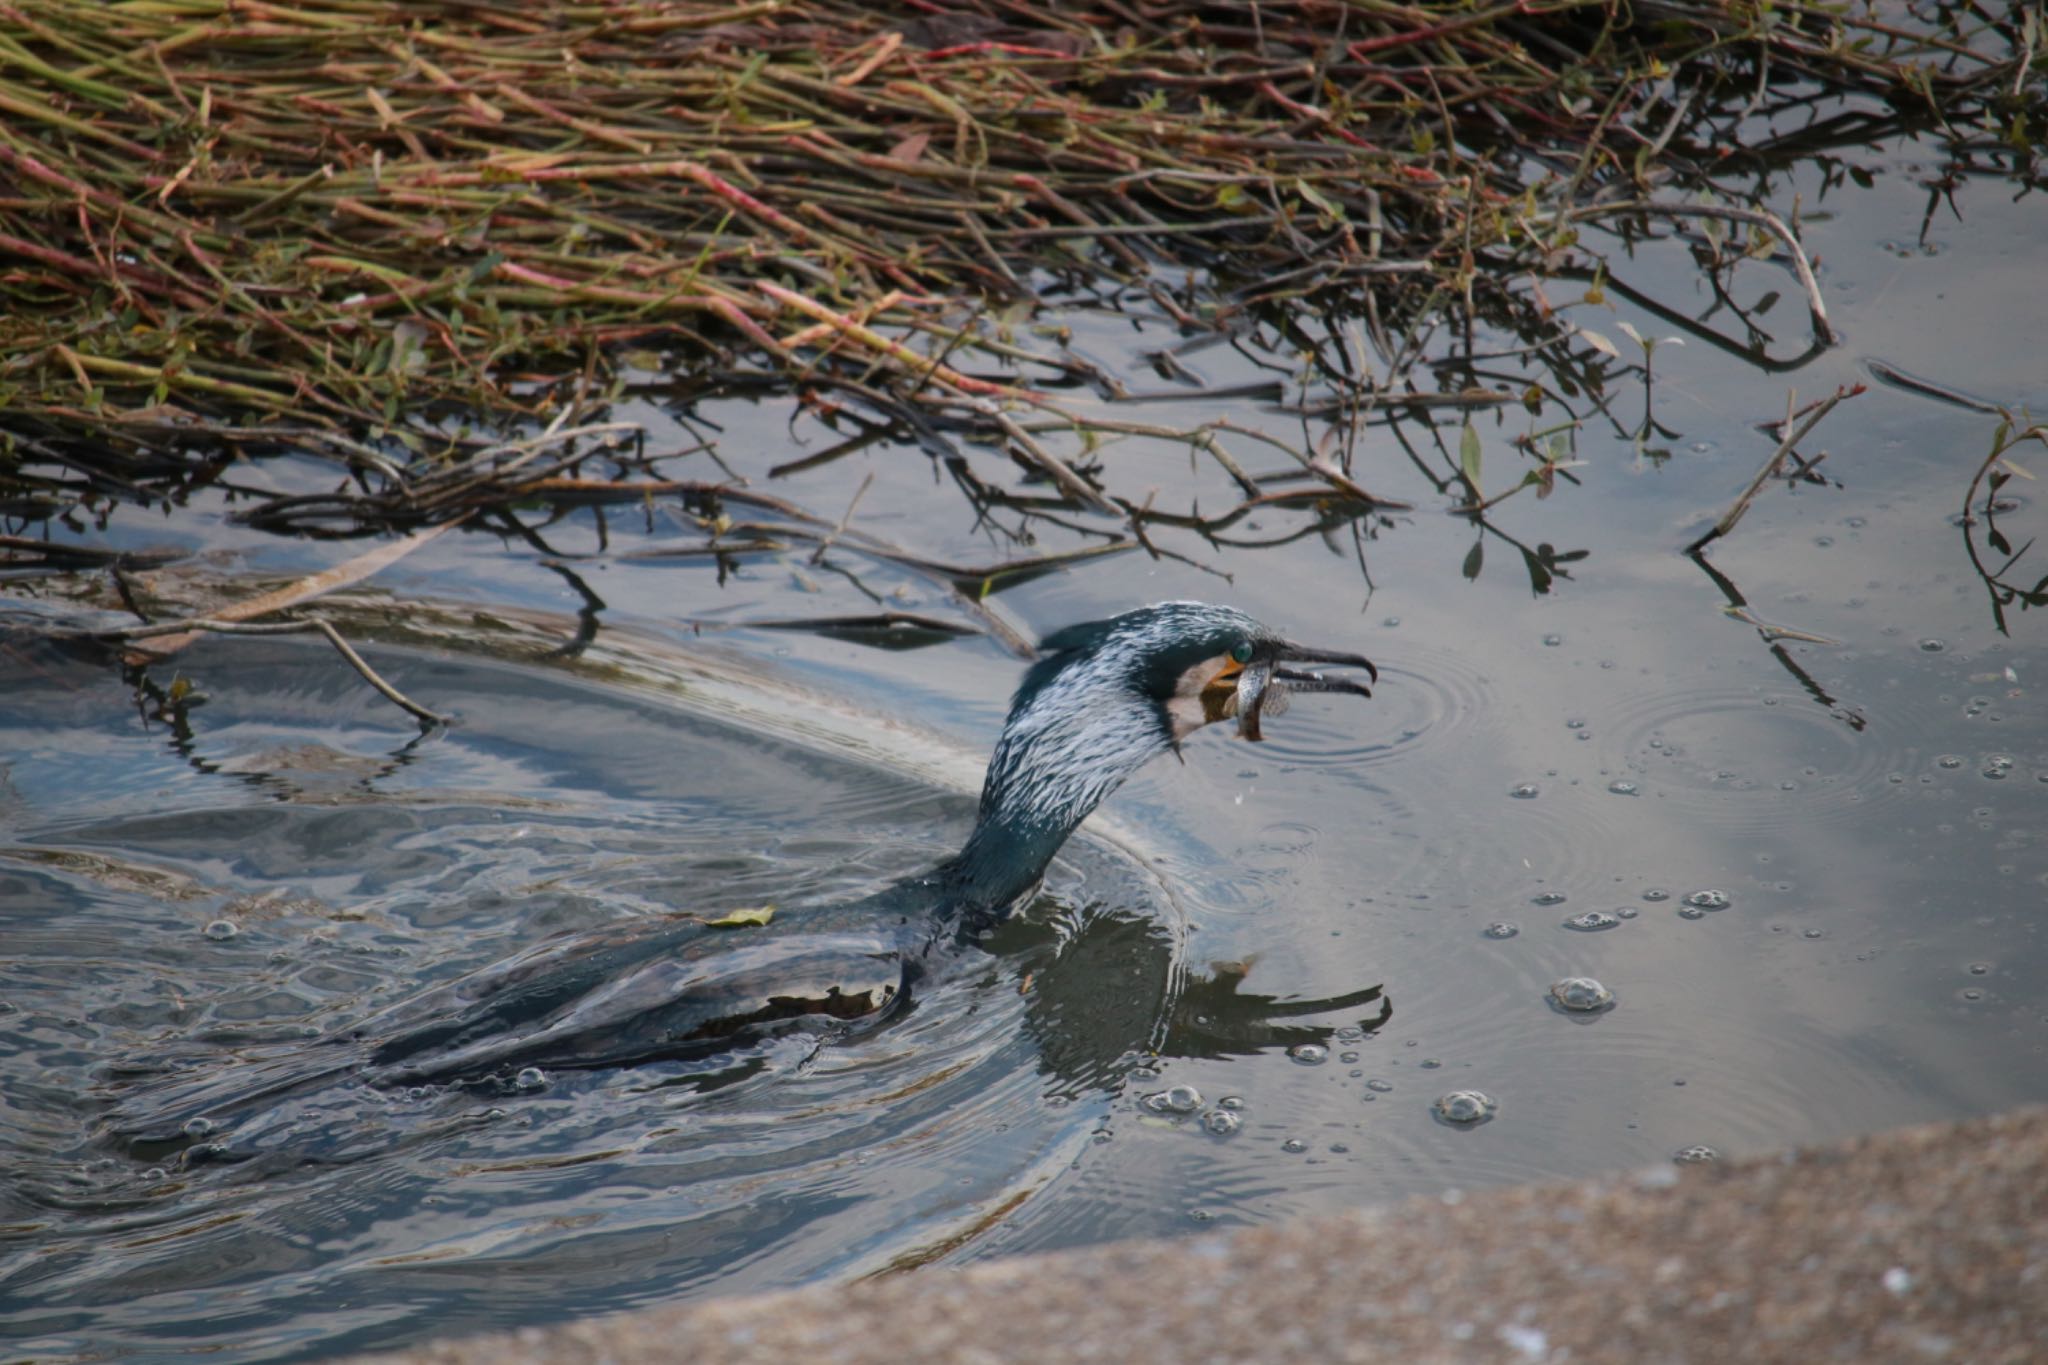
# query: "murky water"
[[1807, 866], [206, 892]]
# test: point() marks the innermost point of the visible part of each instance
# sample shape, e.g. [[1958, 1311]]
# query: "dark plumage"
[[1103, 699]]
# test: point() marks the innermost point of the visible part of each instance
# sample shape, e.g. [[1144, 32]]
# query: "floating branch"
[[1741, 504], [184, 630]]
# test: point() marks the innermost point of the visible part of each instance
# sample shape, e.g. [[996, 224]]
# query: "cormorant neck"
[[1054, 763]]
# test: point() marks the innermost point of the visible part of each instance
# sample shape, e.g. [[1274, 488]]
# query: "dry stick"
[[1202, 438], [1741, 504], [875, 341], [318, 624], [342, 575], [1774, 633], [818, 555], [1758, 217], [1054, 467]]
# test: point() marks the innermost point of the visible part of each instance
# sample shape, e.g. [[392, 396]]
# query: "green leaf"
[[742, 918], [1468, 456]]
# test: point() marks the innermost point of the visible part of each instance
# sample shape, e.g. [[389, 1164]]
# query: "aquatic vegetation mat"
[[411, 239]]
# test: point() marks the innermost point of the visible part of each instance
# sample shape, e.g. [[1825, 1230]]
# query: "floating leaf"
[[1468, 456], [1599, 342], [742, 918]]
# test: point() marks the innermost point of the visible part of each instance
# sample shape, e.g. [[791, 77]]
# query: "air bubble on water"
[[1309, 1054], [1932, 645], [1463, 1108], [1592, 921], [1998, 767], [1581, 995], [530, 1078], [1553, 641], [1178, 1099], [1708, 900], [1814, 933], [1295, 1145], [1231, 1102], [1221, 1122], [1656, 893], [1523, 791], [1623, 787], [1625, 911], [1500, 929], [1949, 761], [1378, 1086], [1696, 1155], [221, 930], [1547, 898], [1980, 969]]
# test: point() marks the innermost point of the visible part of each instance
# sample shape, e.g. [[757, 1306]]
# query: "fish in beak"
[[1266, 682]]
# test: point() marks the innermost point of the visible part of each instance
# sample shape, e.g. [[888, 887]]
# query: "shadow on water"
[[209, 889]]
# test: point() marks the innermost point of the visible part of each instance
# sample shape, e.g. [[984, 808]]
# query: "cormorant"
[[1103, 698]]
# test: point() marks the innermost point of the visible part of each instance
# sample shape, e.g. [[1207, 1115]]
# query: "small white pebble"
[[1898, 1279]]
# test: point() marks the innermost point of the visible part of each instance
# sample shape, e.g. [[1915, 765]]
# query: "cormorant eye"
[[1242, 651]]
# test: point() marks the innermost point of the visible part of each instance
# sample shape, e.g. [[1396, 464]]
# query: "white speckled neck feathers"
[[1087, 717]]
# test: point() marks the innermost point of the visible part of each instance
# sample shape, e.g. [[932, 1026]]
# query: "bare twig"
[[1741, 504], [818, 555], [1770, 222], [312, 625]]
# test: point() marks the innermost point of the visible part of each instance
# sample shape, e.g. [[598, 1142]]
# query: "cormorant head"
[[1108, 695]]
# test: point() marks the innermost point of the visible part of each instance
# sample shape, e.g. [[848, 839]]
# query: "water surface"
[[1803, 783]]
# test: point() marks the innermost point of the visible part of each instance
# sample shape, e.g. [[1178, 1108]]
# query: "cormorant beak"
[[1265, 682]]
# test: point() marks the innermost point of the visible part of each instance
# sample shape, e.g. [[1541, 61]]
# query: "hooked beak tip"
[[1309, 654]]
